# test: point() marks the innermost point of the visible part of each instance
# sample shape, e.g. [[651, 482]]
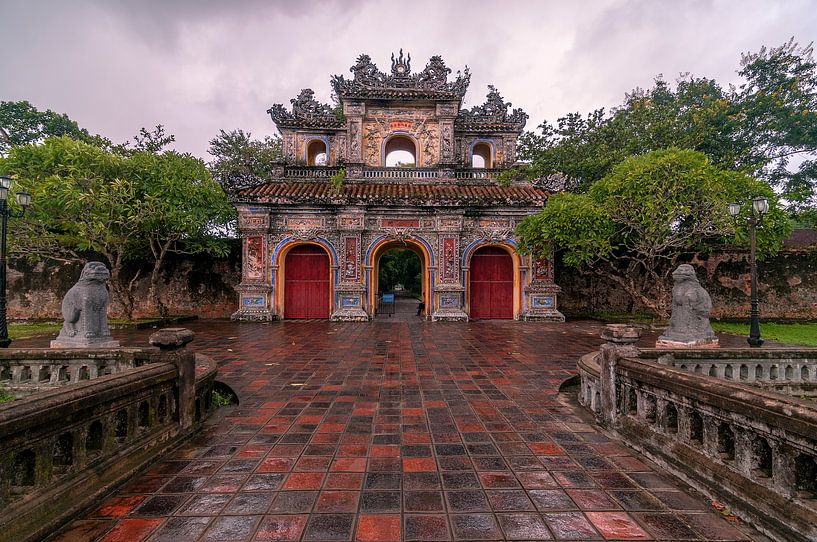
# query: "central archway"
[[374, 269], [400, 151]]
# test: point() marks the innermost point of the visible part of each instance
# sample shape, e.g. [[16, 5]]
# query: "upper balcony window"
[[400, 151], [316, 153], [481, 155]]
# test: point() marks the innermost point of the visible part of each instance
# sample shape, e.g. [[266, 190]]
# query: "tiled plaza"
[[400, 430]]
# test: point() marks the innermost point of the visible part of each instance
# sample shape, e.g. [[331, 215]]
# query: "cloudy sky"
[[198, 66]]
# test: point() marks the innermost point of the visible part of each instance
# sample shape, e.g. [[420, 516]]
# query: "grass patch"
[[5, 396], [221, 399], [804, 334], [25, 330]]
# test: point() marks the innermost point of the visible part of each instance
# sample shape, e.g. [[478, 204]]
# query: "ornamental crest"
[[494, 111], [306, 111], [369, 81]]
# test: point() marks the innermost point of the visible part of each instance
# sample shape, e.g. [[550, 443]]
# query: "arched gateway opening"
[[400, 151], [400, 268], [491, 284], [306, 283]]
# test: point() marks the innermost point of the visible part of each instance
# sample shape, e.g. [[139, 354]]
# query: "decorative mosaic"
[[501, 223], [256, 301], [543, 302], [351, 257], [543, 270], [449, 261], [399, 222], [253, 221], [304, 222], [347, 222], [254, 258]]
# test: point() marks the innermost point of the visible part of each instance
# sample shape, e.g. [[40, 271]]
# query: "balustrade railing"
[[62, 448], [400, 173], [737, 441], [311, 172], [386, 173]]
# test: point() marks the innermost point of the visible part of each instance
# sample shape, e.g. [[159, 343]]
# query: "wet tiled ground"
[[399, 431]]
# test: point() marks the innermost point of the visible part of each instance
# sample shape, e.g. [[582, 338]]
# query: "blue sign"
[[388, 298]]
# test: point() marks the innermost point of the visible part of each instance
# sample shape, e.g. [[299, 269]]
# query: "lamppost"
[[759, 207], [23, 199]]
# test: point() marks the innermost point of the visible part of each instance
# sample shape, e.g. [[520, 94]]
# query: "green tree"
[[766, 127], [137, 207], [239, 160], [21, 123], [632, 226]]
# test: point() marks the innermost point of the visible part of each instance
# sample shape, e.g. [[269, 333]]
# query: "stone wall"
[[787, 286], [201, 285]]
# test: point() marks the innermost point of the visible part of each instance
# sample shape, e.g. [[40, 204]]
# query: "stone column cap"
[[171, 338]]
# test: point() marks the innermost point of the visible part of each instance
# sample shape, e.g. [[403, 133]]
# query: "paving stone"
[[399, 417]]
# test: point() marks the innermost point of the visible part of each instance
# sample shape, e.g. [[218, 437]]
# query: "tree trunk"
[[155, 277]]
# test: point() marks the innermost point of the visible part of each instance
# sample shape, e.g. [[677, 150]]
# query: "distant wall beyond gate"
[[787, 286], [205, 286], [200, 285]]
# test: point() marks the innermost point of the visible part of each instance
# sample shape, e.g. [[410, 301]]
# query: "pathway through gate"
[[403, 430]]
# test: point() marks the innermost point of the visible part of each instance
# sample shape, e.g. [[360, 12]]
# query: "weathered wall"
[[787, 286], [205, 286], [201, 285]]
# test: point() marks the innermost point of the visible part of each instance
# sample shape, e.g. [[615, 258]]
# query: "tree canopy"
[[632, 225], [142, 205], [239, 160], [21, 123], [765, 127]]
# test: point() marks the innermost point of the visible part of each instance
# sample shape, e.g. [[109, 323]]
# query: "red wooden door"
[[491, 283], [306, 283]]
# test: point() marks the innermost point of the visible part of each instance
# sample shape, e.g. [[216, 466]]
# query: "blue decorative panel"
[[252, 301], [545, 302], [350, 301], [449, 301]]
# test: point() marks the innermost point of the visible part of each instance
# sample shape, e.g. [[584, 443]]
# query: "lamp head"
[[734, 209], [760, 205], [5, 182], [23, 199]]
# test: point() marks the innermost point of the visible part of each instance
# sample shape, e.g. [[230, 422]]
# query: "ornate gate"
[[306, 283], [491, 283]]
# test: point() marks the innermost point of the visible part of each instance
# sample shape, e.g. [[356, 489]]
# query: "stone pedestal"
[[542, 298], [350, 304], [448, 304], [698, 343], [255, 302]]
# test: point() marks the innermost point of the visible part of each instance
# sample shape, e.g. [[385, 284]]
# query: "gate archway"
[[373, 263], [491, 284], [306, 282]]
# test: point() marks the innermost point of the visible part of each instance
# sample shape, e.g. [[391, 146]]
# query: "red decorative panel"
[[449, 254], [400, 223], [351, 248], [543, 270], [306, 283], [491, 284], [254, 258]]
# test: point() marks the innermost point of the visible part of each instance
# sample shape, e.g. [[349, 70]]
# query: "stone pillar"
[[255, 292], [171, 342], [542, 293]]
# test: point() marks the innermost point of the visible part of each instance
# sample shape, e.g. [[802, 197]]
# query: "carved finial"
[[400, 67]]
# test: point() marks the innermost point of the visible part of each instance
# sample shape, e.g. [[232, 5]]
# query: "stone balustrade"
[[477, 173], [736, 441], [400, 173], [63, 448], [311, 172], [23, 372]]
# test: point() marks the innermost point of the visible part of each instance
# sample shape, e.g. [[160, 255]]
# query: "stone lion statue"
[[84, 309], [689, 323]]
